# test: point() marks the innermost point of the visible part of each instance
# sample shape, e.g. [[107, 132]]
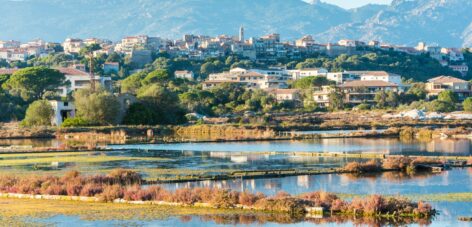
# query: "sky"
[[349, 4]]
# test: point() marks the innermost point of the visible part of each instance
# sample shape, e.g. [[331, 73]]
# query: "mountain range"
[[404, 22]]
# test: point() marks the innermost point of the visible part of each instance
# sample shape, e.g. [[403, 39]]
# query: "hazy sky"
[[348, 4]]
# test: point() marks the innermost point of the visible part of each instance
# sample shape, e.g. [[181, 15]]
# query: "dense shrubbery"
[[39, 113], [125, 184], [75, 122]]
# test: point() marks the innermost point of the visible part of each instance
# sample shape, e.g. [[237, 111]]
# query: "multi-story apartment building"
[[251, 79], [73, 46], [377, 75], [448, 83], [358, 86], [354, 92]]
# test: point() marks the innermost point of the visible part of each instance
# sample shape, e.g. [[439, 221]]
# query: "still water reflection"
[[386, 146], [392, 183]]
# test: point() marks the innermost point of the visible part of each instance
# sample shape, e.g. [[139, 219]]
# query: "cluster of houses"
[[268, 48], [11, 50], [356, 86]]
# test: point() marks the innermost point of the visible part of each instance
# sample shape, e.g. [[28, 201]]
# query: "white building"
[[453, 54], [184, 74], [282, 95], [463, 69], [62, 111], [9, 44], [341, 77], [301, 73], [250, 79], [378, 75], [79, 80], [305, 41], [347, 43], [72, 46]]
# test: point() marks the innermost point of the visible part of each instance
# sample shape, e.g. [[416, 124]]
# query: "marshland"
[[260, 181]]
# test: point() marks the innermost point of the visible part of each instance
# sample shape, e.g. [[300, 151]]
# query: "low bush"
[[76, 122], [110, 193]]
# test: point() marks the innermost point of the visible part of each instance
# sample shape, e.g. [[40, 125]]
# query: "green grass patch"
[[46, 154], [75, 159]]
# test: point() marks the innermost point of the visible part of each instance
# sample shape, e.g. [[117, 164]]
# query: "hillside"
[[446, 22], [57, 19]]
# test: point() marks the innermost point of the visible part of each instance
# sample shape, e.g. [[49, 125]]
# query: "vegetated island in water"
[[124, 186]]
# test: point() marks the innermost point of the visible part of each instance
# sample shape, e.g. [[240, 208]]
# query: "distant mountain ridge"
[[446, 22]]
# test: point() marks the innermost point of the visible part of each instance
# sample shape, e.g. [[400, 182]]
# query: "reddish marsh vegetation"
[[397, 163], [126, 184]]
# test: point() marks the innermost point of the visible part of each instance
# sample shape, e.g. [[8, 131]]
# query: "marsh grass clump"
[[126, 185], [366, 167], [376, 205], [407, 133]]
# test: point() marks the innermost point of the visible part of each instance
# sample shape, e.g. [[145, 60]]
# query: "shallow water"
[[355, 145], [244, 155], [391, 183]]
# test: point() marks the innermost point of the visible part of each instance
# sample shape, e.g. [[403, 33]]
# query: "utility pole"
[[92, 77]]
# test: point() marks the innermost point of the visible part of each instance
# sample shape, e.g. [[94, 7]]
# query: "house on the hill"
[[184, 74], [448, 83]]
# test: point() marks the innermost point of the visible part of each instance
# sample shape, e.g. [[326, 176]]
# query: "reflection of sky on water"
[[455, 180], [388, 146], [449, 212]]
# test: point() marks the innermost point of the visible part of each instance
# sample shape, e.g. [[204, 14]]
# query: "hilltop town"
[[152, 80]]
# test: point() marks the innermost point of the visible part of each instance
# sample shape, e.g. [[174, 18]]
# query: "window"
[[66, 103]]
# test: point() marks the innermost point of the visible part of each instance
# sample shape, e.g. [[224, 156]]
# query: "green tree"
[[3, 79], [89, 49], [392, 99], [139, 114], [199, 101], [11, 108], [163, 103], [132, 83], [441, 106], [336, 101], [39, 113], [115, 57], [467, 104], [311, 81], [386, 99], [212, 67], [381, 99], [418, 90], [156, 76], [448, 96], [99, 107], [31, 83]]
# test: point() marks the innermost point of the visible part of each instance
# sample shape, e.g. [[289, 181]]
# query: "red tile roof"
[[283, 91], [71, 72], [446, 79], [66, 71]]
